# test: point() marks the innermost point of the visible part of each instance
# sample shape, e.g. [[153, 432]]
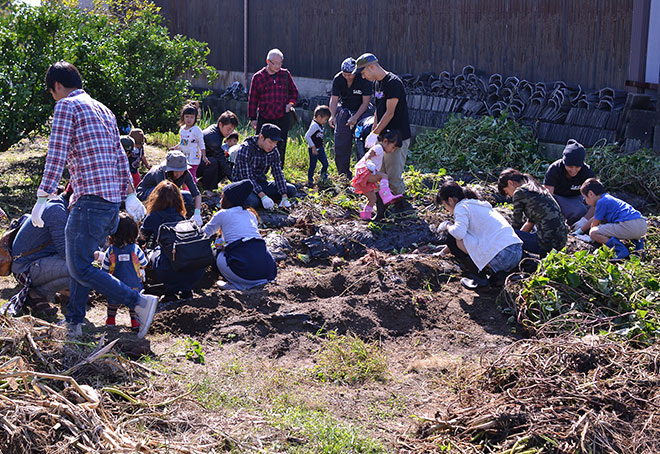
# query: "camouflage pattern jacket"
[[543, 211]]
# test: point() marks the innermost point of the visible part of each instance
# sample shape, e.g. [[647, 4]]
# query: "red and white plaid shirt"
[[85, 138], [269, 95]]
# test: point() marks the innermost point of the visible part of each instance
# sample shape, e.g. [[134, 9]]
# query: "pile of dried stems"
[[556, 395], [47, 403]]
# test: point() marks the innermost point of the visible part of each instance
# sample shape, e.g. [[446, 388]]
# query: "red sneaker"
[[110, 321], [135, 324]]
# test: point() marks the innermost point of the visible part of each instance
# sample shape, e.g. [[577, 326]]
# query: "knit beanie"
[[573, 155]]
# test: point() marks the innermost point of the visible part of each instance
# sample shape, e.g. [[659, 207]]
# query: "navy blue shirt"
[[30, 237]]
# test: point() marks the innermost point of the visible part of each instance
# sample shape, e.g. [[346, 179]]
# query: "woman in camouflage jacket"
[[533, 206]]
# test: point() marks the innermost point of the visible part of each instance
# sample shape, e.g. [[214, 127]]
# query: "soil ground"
[[260, 346]]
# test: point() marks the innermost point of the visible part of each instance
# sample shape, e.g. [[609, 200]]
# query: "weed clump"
[[348, 359], [477, 145], [585, 293]]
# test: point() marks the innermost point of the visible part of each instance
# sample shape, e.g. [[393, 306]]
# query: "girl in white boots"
[[368, 176]]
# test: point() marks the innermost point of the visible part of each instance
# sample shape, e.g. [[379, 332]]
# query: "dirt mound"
[[374, 298]]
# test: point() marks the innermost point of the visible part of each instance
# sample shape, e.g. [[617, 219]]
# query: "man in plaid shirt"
[[85, 137], [272, 94], [253, 159]]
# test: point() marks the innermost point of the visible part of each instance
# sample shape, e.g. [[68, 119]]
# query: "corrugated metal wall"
[[578, 41]]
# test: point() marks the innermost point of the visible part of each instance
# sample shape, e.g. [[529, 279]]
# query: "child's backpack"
[[185, 245], [6, 242]]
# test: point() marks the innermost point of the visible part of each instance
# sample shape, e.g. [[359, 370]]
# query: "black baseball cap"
[[271, 131], [363, 61]]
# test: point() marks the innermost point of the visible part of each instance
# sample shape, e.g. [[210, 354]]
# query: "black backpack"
[[185, 245]]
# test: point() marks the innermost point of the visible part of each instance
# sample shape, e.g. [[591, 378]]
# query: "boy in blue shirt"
[[614, 219]]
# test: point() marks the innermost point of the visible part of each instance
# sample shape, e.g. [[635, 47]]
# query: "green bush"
[[126, 57], [637, 172], [478, 145], [585, 292]]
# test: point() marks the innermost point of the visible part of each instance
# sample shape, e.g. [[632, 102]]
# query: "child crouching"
[[124, 260], [368, 176], [614, 219], [245, 261]]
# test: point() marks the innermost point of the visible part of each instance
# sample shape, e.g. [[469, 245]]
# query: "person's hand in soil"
[[285, 203], [267, 202], [443, 226]]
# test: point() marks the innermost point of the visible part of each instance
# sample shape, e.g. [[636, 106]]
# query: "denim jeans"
[[270, 189], [90, 222], [49, 275], [344, 141], [313, 158], [507, 259]]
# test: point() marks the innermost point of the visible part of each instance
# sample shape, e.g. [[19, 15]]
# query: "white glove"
[[39, 207], [578, 231], [267, 202], [134, 207], [197, 217], [580, 223], [443, 226], [584, 237], [372, 139], [285, 203], [3, 215], [371, 167]]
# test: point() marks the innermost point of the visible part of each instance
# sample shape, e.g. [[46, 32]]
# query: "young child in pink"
[[368, 176], [192, 139]]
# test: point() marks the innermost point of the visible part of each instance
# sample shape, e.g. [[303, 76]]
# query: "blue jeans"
[[270, 189], [90, 222], [530, 241], [344, 141], [507, 259], [313, 158]]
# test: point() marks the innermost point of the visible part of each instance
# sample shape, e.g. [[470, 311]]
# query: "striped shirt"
[[85, 138]]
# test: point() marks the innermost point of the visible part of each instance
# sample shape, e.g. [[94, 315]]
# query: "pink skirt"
[[360, 183]]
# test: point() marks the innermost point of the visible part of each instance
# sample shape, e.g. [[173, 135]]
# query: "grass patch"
[[420, 185], [317, 432], [348, 359]]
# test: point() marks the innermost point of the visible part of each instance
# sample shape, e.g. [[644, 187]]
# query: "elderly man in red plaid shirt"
[[272, 95], [85, 138]]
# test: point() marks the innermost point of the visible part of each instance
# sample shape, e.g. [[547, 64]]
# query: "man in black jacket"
[[209, 175]]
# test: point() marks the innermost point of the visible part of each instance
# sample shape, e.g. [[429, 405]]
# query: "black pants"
[[464, 259], [209, 175], [283, 124]]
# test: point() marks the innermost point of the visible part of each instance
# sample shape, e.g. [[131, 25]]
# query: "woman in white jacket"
[[480, 238]]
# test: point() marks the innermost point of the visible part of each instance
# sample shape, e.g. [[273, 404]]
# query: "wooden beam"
[[639, 41]]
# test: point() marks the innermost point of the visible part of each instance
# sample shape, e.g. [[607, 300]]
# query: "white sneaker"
[[145, 310]]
